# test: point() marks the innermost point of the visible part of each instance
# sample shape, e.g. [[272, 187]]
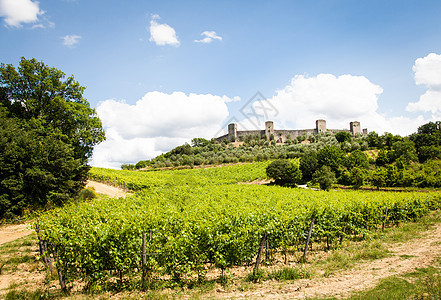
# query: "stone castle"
[[280, 136]]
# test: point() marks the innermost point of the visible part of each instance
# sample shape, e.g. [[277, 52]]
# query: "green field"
[[202, 218]]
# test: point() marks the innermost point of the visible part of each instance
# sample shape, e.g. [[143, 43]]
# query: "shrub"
[[284, 172], [87, 194]]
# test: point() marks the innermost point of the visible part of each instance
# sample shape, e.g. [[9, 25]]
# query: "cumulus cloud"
[[17, 12], [209, 36], [428, 73], [155, 124], [326, 96], [162, 34], [71, 40], [337, 99]]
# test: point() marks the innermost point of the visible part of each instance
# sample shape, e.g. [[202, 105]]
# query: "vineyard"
[[208, 176], [200, 219]]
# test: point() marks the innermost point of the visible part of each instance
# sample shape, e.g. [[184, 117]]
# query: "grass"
[[424, 283], [352, 253], [375, 247], [27, 295], [284, 274], [16, 253]]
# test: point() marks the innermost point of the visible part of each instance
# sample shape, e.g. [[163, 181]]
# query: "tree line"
[[326, 159]]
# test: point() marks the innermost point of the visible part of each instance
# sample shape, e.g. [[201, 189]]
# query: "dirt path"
[[13, 232], [417, 253], [9, 233], [108, 190]]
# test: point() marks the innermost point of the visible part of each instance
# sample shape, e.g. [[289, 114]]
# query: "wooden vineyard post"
[[341, 236], [259, 253], [385, 218], [284, 253], [308, 239], [343, 230], [46, 257], [40, 242], [144, 259], [60, 275], [266, 249]]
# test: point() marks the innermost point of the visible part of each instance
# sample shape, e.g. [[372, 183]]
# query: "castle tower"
[[355, 127], [269, 129], [232, 131], [320, 126]]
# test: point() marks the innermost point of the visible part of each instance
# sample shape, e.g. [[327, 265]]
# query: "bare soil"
[[420, 252], [12, 232], [105, 189]]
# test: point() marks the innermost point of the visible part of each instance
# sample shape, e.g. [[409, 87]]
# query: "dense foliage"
[[47, 133], [207, 219], [284, 172]]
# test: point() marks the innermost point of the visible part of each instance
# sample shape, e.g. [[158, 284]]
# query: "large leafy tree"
[[284, 172], [427, 139], [343, 136], [330, 156], [47, 134]]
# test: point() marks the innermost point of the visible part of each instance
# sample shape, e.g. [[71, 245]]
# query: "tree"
[[357, 158], [343, 136], [429, 152], [330, 156], [324, 177], [308, 164], [47, 134], [284, 172], [357, 177], [428, 135], [404, 149], [200, 142], [382, 158], [373, 140], [378, 177]]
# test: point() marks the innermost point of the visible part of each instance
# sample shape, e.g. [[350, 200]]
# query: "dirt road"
[[12, 232], [9, 233], [108, 190], [406, 257]]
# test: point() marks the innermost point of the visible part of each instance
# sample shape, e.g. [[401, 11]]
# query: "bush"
[[284, 172], [87, 194]]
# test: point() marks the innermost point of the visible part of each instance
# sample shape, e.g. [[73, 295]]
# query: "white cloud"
[[155, 124], [209, 37], [71, 40], [428, 73], [17, 12], [338, 100], [162, 34]]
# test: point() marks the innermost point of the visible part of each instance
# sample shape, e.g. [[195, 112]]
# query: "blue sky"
[[156, 82]]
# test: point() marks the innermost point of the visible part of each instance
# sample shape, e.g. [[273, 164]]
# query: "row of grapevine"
[[193, 225], [138, 180]]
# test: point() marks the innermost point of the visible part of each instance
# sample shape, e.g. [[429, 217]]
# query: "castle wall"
[[252, 133], [280, 136]]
